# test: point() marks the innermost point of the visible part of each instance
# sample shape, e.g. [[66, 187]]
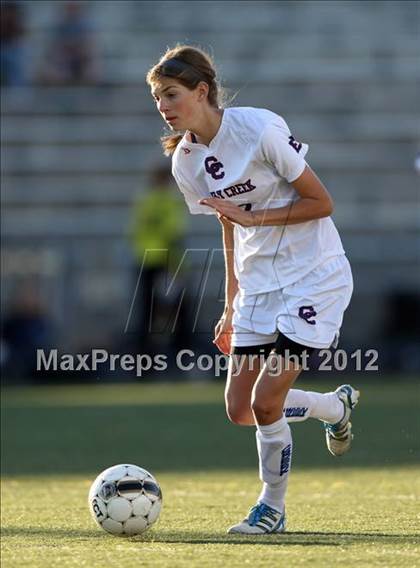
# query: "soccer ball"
[[125, 500]]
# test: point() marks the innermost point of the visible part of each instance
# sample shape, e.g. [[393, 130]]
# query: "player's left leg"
[[311, 312], [338, 433], [326, 407], [244, 367]]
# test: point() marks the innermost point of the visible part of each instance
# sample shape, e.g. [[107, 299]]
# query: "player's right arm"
[[223, 330]]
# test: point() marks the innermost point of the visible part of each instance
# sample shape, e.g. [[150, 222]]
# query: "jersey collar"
[[214, 140]]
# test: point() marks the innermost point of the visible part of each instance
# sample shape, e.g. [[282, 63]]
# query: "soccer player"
[[288, 281]]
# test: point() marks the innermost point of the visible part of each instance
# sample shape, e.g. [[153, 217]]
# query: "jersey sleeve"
[[191, 197], [280, 149]]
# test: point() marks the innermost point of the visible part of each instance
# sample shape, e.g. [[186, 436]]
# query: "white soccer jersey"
[[252, 160]]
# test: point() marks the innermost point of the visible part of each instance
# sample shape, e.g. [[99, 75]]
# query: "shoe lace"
[[335, 432], [258, 512], [347, 389]]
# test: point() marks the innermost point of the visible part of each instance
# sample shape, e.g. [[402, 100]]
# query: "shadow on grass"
[[185, 437], [50, 532], [297, 538]]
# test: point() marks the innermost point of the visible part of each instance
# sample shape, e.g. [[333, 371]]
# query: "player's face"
[[176, 104]]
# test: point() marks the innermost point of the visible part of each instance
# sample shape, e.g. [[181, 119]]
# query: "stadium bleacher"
[[345, 77]]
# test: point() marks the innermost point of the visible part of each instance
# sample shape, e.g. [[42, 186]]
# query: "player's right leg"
[[245, 365], [274, 445]]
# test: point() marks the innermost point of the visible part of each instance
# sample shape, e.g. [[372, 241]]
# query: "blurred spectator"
[[70, 58], [401, 331], [158, 227], [417, 163], [11, 45], [25, 328]]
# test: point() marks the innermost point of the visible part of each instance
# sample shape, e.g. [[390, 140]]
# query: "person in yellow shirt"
[[157, 231]]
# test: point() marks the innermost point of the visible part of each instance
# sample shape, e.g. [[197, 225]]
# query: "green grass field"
[[358, 510]]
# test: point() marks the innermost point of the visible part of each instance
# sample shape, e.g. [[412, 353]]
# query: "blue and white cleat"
[[261, 519], [339, 436]]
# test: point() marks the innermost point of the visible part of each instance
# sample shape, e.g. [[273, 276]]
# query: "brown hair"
[[189, 65]]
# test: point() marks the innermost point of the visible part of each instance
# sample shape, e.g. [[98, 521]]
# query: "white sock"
[[301, 405], [274, 444]]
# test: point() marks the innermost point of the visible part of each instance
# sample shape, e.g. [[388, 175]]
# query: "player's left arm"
[[314, 202]]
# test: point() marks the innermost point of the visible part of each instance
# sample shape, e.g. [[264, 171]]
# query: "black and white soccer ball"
[[125, 500]]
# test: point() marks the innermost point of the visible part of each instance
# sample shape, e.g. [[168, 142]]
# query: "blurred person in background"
[[25, 328], [157, 236], [12, 45], [71, 57]]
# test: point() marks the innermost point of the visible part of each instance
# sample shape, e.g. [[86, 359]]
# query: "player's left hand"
[[230, 211]]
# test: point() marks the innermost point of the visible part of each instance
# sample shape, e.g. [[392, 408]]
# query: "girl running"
[[288, 281]]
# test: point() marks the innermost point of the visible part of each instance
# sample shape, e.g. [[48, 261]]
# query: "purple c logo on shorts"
[[306, 313]]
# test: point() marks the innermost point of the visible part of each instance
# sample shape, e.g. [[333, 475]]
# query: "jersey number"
[[246, 206], [295, 144]]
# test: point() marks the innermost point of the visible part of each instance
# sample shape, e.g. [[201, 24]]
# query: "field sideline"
[[360, 510]]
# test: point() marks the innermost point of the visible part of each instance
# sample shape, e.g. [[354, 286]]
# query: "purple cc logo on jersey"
[[213, 166], [306, 313]]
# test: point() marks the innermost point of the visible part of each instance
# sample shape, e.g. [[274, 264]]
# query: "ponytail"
[[170, 142]]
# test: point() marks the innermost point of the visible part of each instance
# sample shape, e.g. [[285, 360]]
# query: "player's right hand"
[[223, 334]]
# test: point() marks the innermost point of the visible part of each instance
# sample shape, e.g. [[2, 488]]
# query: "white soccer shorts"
[[309, 312]]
